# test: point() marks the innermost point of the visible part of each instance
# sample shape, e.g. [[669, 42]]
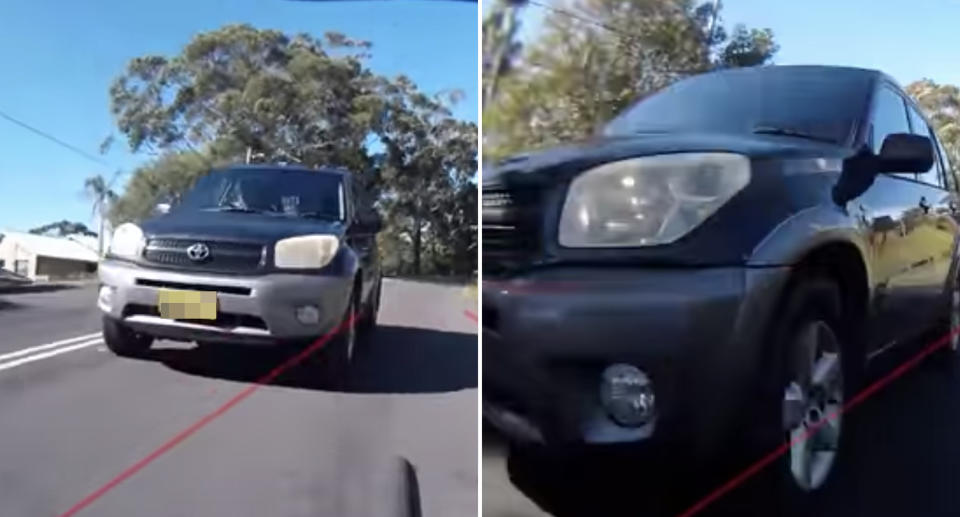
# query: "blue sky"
[[59, 59], [908, 40]]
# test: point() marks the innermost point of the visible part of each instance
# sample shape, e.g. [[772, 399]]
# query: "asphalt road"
[[72, 422], [903, 460]]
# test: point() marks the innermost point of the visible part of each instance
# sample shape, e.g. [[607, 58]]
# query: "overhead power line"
[[580, 17], [54, 139]]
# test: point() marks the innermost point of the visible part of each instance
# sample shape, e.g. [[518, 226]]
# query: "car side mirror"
[[900, 152], [370, 221], [903, 152]]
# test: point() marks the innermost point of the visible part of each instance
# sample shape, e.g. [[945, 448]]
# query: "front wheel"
[[813, 371], [368, 320], [948, 354], [337, 359], [123, 341]]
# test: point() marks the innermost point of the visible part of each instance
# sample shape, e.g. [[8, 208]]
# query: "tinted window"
[[282, 193], [920, 127], [823, 103], [889, 116], [948, 172]]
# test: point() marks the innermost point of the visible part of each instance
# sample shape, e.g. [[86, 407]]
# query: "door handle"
[[924, 204]]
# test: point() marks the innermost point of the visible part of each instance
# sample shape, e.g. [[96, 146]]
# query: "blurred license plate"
[[187, 305]]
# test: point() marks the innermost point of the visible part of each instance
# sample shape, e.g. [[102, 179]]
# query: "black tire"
[[947, 356], [337, 358], [812, 304], [122, 341], [368, 321]]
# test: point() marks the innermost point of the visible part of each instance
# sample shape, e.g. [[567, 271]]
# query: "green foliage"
[[165, 178], [748, 48], [63, 228], [280, 98], [100, 192], [436, 213], [96, 188], [941, 105], [577, 75], [286, 97]]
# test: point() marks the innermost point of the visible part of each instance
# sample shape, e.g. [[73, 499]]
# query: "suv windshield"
[[286, 193], [805, 102]]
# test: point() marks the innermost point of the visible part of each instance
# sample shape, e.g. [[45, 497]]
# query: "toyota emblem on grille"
[[198, 252]]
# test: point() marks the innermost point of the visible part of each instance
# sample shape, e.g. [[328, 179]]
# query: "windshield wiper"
[[318, 215], [234, 208], [785, 131]]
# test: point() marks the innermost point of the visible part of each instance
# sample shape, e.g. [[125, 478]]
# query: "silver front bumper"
[[272, 298]]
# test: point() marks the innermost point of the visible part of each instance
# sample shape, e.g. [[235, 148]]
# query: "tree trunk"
[[509, 20], [417, 227]]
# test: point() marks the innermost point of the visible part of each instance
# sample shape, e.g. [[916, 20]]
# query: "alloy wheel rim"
[[812, 404]]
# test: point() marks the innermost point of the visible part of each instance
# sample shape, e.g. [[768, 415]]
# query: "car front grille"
[[512, 227], [224, 256], [224, 320]]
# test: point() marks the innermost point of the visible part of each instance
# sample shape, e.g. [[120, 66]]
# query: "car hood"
[[236, 226], [546, 165]]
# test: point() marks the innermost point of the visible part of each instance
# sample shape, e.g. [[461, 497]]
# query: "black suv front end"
[[555, 329]]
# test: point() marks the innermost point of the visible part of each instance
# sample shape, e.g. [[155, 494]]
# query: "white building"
[[47, 258]]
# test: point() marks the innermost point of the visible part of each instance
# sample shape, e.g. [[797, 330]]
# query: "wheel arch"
[[843, 263], [827, 241]]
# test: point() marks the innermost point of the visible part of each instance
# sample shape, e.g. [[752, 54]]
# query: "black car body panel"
[[693, 313]]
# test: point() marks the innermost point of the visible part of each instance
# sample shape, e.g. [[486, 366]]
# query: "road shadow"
[[7, 305], [391, 360], [36, 288]]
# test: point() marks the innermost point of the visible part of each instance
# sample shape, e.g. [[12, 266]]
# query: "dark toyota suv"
[[255, 255], [715, 268]]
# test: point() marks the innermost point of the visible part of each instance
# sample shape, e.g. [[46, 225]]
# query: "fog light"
[[308, 314], [105, 298], [627, 395]]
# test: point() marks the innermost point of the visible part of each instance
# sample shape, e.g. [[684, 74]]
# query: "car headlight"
[[305, 251], [127, 241], [649, 200]]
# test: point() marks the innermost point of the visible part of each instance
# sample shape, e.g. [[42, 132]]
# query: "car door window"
[[919, 127], [889, 116], [949, 174]]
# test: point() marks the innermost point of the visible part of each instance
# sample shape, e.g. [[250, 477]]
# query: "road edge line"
[[46, 355], [39, 348]]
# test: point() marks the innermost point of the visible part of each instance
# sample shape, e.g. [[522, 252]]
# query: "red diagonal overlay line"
[[470, 314], [772, 456], [183, 435]]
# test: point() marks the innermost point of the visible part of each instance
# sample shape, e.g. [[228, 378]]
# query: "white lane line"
[[44, 355], [40, 348]]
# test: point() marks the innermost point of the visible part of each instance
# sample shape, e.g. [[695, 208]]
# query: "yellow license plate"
[[187, 305]]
